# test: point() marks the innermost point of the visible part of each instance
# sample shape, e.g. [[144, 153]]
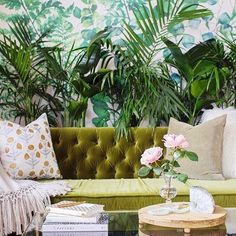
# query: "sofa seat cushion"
[[132, 194]]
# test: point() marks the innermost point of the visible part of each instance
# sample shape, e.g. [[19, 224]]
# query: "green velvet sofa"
[[102, 170]]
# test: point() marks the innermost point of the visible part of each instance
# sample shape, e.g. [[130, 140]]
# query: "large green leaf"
[[181, 60], [203, 67], [76, 108], [198, 87], [100, 122], [201, 51]]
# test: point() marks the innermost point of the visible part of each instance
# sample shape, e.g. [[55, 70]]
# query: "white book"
[[52, 217], [74, 227], [75, 209], [105, 233], [100, 225]]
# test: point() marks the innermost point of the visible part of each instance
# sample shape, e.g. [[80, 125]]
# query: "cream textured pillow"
[[27, 152], [229, 143], [205, 140]]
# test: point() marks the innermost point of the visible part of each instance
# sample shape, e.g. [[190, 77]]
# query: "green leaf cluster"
[[207, 69], [149, 92], [23, 78], [138, 88], [78, 78], [100, 107], [37, 78]]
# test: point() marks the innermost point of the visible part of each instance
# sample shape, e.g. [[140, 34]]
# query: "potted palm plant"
[[208, 72], [80, 76], [147, 90], [25, 84]]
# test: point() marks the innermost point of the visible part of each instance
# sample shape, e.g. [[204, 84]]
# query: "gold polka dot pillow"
[[27, 152]]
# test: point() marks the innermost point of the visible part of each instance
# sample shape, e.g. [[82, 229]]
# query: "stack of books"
[[69, 217]]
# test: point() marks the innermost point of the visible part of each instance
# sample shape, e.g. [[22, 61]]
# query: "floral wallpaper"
[[79, 20]]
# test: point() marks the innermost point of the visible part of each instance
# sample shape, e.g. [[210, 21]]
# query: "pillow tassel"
[[23, 212], [19, 199], [18, 206], [17, 213], [1, 219]]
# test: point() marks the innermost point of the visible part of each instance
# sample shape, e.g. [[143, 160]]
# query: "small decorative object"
[[165, 209], [153, 160], [201, 200]]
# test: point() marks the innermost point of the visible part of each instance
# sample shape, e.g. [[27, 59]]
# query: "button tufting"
[[90, 149], [74, 141], [57, 140]]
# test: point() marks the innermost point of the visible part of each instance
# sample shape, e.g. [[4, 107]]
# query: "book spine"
[[66, 212], [72, 220], [56, 233], [74, 227]]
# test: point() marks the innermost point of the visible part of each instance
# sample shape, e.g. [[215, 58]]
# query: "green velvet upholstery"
[[132, 194], [93, 153], [102, 170]]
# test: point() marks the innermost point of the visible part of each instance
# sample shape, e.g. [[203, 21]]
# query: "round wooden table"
[[186, 221]]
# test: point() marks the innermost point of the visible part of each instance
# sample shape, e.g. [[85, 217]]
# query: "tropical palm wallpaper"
[[78, 21]]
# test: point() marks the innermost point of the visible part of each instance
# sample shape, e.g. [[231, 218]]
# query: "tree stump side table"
[[186, 221]]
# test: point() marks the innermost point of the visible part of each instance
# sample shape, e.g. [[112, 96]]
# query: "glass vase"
[[168, 191]]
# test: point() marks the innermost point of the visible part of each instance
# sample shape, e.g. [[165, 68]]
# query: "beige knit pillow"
[[206, 140], [27, 152], [229, 144]]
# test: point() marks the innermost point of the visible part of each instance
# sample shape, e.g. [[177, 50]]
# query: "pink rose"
[[151, 155], [175, 141]]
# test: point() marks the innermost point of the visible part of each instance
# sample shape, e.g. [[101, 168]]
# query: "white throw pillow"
[[27, 152], [229, 142]]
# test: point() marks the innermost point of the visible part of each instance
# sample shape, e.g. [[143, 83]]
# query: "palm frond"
[[155, 23], [23, 72]]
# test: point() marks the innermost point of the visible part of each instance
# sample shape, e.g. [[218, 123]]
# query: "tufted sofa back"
[[93, 153]]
